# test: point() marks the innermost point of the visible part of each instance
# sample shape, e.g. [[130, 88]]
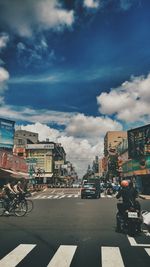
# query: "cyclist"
[[9, 194], [18, 190]]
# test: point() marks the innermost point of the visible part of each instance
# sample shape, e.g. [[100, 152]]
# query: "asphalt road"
[[68, 231]]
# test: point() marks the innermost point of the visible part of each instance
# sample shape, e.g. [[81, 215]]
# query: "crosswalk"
[[110, 256], [61, 196]]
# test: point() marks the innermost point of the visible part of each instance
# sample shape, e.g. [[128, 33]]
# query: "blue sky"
[[73, 70]]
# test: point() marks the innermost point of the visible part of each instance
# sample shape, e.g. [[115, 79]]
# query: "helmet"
[[124, 183]]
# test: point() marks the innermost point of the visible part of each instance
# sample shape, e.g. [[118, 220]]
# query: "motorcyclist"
[[129, 195]]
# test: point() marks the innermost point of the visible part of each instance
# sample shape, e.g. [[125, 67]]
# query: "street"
[[64, 230]]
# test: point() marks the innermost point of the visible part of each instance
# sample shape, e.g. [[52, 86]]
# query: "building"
[[42, 155], [21, 139], [137, 166], [111, 140]]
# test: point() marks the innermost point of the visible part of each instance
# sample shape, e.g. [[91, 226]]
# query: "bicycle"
[[29, 202], [17, 208]]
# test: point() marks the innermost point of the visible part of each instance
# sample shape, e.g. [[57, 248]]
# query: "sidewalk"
[[145, 196]]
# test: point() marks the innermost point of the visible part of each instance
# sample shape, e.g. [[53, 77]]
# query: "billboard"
[[40, 146], [139, 142], [6, 133]]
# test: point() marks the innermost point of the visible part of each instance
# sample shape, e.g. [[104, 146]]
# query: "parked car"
[[89, 190]]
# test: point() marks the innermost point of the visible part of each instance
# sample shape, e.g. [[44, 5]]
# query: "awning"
[[5, 173]]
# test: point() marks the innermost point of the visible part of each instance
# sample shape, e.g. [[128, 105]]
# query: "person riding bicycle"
[[9, 194], [18, 190]]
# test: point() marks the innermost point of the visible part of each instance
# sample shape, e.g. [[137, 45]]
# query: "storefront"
[[140, 171]]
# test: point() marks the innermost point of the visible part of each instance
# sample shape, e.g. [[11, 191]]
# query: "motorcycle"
[[129, 219]]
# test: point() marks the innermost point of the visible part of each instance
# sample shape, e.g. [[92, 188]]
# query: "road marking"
[[133, 242], [62, 196], [16, 255], [37, 197], [56, 196], [146, 232], [63, 256], [148, 251], [111, 257]]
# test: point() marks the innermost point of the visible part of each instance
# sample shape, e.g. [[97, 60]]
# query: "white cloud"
[[26, 17], [90, 127], [4, 76], [130, 101], [4, 38], [91, 3]]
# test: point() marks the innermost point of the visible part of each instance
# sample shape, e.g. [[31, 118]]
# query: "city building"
[[111, 140], [21, 139], [137, 166]]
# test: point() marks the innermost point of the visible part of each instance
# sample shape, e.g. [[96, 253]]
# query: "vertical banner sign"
[[6, 133]]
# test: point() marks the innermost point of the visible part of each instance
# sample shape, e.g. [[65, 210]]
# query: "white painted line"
[[56, 196], [50, 197], [111, 257], [146, 232], [62, 196], [69, 196], [44, 197], [133, 242], [37, 197], [15, 256], [76, 195], [63, 256], [148, 251], [45, 190]]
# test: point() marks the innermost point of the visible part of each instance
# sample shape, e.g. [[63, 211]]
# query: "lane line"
[[148, 251], [111, 257], [133, 242], [50, 197], [69, 196], [15, 256], [43, 197], [63, 256]]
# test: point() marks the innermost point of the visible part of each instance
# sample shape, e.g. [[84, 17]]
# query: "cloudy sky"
[[72, 70]]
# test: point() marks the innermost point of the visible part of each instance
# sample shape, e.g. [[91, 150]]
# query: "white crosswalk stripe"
[[63, 256], [111, 257], [60, 196], [16, 256], [148, 251]]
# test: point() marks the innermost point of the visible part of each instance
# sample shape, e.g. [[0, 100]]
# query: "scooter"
[[128, 220]]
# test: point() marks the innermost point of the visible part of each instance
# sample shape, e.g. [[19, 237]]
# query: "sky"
[[71, 70]]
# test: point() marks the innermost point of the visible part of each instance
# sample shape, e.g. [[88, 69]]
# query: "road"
[[64, 230]]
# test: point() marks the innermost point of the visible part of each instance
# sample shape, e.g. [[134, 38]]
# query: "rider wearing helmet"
[[129, 194]]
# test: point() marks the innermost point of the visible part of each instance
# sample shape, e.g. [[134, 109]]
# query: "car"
[[88, 190]]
